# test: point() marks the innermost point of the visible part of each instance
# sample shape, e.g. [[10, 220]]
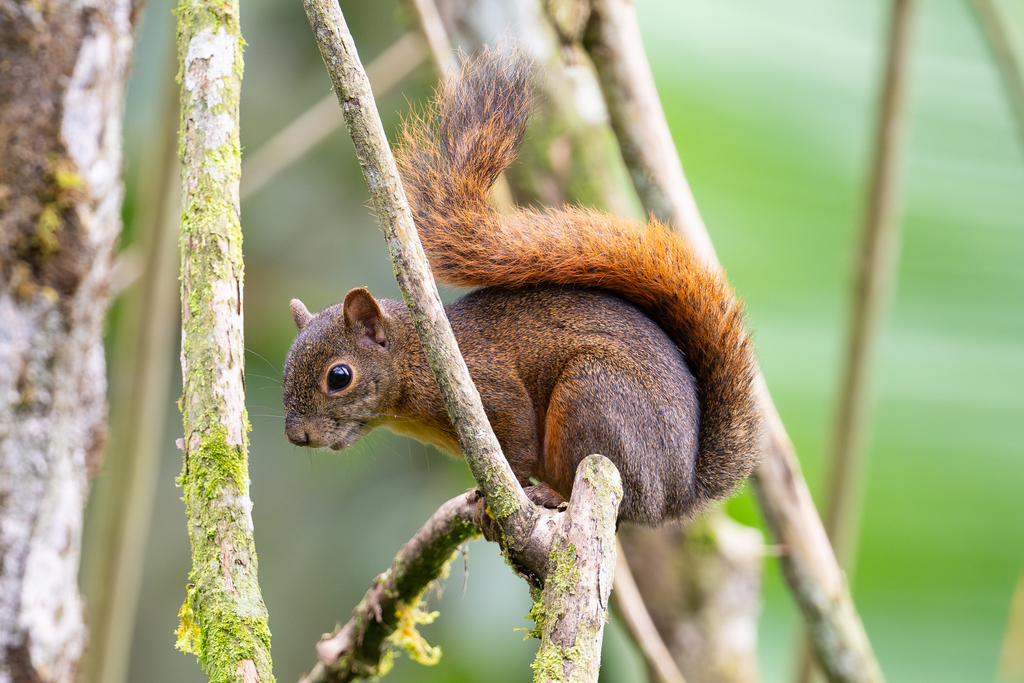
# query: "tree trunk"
[[62, 74]]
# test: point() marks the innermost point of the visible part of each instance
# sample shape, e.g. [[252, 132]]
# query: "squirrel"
[[588, 333]]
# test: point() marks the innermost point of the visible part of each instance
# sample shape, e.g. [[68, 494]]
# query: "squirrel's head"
[[339, 374]]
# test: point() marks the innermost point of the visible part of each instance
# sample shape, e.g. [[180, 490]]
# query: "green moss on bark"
[[223, 619]]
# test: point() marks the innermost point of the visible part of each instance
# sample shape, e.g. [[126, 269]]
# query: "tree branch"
[[572, 554], [223, 620], [613, 39], [293, 141], [361, 647], [514, 514], [640, 625], [64, 71], [876, 277], [574, 601], [1007, 55]]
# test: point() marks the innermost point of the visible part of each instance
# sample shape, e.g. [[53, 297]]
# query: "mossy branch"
[[573, 605], [223, 620], [362, 647]]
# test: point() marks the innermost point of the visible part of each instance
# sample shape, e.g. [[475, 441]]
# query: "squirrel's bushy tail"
[[449, 158]]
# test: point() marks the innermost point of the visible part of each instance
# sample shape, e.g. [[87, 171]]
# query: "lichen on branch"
[[223, 619]]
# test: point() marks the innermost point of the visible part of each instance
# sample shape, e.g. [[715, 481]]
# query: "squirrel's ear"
[[363, 314], [300, 314]]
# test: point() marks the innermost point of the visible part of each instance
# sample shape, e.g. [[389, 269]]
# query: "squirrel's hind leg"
[[644, 419]]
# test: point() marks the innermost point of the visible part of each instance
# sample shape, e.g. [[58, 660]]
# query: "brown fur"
[[592, 333]]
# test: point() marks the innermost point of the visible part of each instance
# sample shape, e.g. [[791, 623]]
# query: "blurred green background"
[[772, 105]]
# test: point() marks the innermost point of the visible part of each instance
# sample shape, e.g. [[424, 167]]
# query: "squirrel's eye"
[[338, 377]]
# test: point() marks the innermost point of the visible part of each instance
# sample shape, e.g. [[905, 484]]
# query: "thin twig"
[[437, 37], [640, 625], [312, 126], [809, 565], [876, 277], [1007, 55]]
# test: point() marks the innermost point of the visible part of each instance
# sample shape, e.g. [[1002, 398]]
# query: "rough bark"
[[62, 71], [573, 606], [223, 619]]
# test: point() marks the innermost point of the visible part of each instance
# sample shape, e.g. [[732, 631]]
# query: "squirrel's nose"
[[297, 434]]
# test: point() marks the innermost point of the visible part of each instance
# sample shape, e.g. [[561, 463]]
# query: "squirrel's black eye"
[[338, 377]]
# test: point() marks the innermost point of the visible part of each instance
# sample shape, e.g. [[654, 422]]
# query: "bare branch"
[[876, 278], [1008, 55], [640, 625], [513, 512], [814, 577], [437, 37], [614, 43], [304, 133]]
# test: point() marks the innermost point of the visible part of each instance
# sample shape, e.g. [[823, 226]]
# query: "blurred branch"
[[437, 37], [357, 649], [614, 43], [316, 123], [701, 583], [640, 625], [1007, 55], [223, 619], [124, 495], [1011, 658], [809, 565], [876, 277]]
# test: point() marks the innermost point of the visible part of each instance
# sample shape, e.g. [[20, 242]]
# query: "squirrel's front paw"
[[546, 497]]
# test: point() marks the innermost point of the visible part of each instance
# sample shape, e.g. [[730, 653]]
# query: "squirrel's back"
[[450, 157]]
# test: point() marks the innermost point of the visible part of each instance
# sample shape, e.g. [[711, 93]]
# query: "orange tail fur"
[[450, 157]]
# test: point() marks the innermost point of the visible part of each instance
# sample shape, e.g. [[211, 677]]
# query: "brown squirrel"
[[590, 333]]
